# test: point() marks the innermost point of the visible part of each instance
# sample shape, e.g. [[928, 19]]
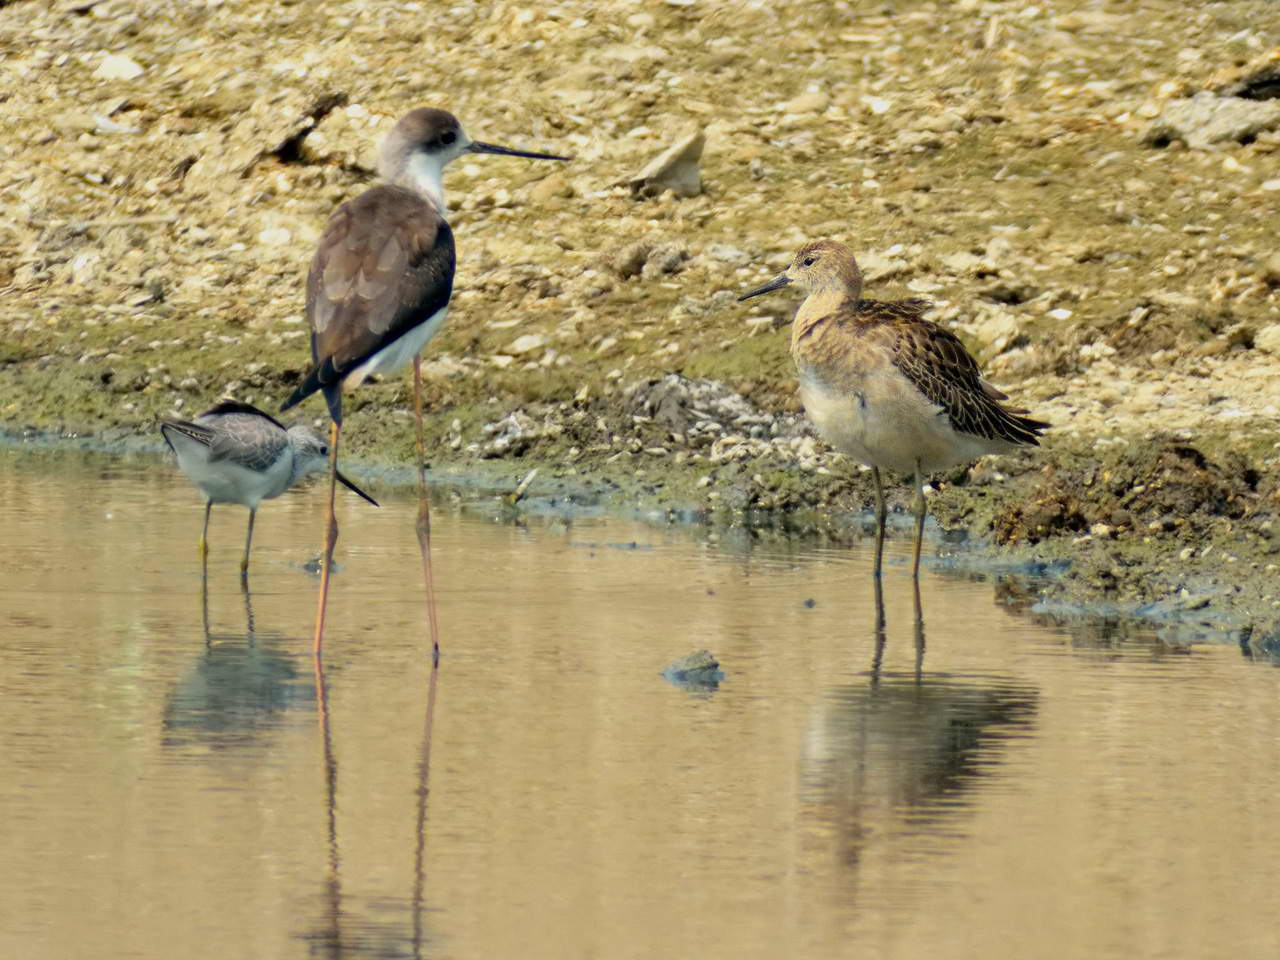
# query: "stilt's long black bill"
[[777, 283], [354, 489], [479, 147]]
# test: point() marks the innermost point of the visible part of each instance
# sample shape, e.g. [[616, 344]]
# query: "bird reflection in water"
[[346, 932], [877, 659], [241, 685], [892, 760]]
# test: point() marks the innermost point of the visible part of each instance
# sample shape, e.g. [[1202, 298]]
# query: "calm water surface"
[[167, 788]]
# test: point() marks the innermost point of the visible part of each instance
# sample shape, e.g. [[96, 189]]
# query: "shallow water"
[[167, 789]]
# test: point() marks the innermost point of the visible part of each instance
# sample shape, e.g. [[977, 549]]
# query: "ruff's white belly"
[[401, 351], [886, 422]]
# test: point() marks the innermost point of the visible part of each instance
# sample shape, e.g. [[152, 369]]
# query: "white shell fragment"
[[675, 169]]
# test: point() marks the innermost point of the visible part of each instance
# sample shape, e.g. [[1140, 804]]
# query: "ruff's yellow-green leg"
[[921, 508], [881, 515]]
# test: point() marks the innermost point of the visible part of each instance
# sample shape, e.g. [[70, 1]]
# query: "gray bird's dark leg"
[[203, 545], [248, 540]]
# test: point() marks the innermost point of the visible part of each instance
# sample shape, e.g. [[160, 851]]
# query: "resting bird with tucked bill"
[[885, 386]]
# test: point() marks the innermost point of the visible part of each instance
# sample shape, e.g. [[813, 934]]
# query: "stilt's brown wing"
[[384, 264]]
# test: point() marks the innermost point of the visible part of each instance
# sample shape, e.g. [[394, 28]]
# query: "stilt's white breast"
[[399, 352]]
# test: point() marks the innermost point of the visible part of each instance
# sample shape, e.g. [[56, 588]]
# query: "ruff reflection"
[[877, 659], [892, 760], [240, 686]]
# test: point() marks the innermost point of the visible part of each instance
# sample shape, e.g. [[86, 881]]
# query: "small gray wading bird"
[[887, 387], [235, 453], [381, 279]]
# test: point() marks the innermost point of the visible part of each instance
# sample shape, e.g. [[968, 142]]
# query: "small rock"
[[1271, 270], [105, 125], [628, 261], [650, 258], [961, 262], [549, 188], [1268, 340], [275, 237], [1204, 120], [116, 66], [526, 344], [664, 258], [675, 169], [725, 253], [811, 101], [699, 669], [84, 268], [948, 121], [997, 331], [878, 266], [1256, 80]]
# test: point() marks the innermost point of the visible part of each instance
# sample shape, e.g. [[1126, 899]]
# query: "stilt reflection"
[[370, 928]]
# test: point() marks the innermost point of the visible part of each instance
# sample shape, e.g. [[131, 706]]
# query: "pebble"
[[116, 66], [1203, 120], [675, 169], [1271, 270], [275, 237], [550, 187], [811, 101], [1268, 339], [526, 344]]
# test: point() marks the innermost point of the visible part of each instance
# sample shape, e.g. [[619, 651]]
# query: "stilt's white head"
[[423, 142]]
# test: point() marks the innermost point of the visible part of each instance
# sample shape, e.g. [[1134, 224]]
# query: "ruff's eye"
[[448, 137], [810, 261], [324, 451]]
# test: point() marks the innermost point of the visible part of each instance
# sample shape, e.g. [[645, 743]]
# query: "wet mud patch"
[[1163, 485]]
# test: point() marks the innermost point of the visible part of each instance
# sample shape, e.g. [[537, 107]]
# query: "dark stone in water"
[[698, 669]]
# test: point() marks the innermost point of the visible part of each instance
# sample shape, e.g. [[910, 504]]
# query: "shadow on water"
[[241, 686], [893, 759]]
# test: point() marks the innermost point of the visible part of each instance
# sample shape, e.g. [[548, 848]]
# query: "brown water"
[[166, 791]]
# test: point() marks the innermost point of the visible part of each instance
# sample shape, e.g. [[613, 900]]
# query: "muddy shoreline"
[[1061, 533], [1089, 196]]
